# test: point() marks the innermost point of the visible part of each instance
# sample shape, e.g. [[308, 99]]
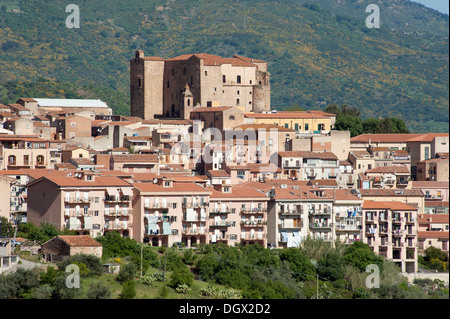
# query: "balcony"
[[410, 220], [253, 211], [194, 204], [117, 226], [397, 232], [325, 211], [197, 232], [117, 199], [311, 175], [220, 224], [258, 223], [252, 237], [80, 213], [291, 212], [320, 225], [119, 212], [78, 200], [225, 210], [345, 227], [157, 205]]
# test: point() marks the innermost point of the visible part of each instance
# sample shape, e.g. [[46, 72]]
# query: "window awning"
[[127, 191], [112, 191]]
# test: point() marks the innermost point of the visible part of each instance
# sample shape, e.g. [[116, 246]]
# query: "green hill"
[[319, 54]]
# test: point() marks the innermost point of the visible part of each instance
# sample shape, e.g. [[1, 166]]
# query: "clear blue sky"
[[439, 5]]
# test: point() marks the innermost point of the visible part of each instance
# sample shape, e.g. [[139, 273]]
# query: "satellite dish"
[[155, 180]]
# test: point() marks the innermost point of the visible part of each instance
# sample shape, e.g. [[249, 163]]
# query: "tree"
[[298, 263], [347, 122], [331, 267], [6, 228], [371, 125], [359, 255], [181, 276]]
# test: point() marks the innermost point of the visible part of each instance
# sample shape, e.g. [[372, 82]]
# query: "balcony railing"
[[253, 211], [291, 212], [256, 223], [325, 211], [319, 225], [74, 200], [220, 224], [125, 198], [120, 225], [397, 232]]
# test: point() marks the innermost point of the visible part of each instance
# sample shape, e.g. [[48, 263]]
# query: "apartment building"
[[411, 197], [27, 151], [138, 163], [73, 126], [434, 169], [391, 229], [305, 165], [433, 230], [237, 214], [348, 217], [83, 202], [301, 121], [388, 177], [168, 212]]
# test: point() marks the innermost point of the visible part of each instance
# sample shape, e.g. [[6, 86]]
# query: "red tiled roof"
[[433, 234], [210, 109], [187, 188], [291, 114], [80, 241], [430, 184], [391, 205], [135, 158], [308, 154], [433, 218], [394, 169]]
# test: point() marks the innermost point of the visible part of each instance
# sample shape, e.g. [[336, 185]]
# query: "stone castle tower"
[[171, 88]]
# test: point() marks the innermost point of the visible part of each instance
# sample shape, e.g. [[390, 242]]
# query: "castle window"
[[206, 73], [238, 101], [189, 102], [192, 80], [184, 71], [139, 83], [238, 92], [238, 79], [250, 81], [231, 118], [224, 79], [168, 84]]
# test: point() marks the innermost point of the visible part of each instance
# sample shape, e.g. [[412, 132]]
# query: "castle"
[[172, 88]]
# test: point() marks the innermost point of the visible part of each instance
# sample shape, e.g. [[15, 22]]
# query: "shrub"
[[99, 290], [181, 276], [128, 290], [127, 272], [93, 264]]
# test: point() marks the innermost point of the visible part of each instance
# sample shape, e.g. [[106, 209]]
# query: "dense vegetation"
[[319, 53], [316, 270], [349, 119]]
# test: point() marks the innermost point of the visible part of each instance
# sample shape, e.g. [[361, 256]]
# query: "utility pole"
[[317, 286], [142, 249], [165, 264]]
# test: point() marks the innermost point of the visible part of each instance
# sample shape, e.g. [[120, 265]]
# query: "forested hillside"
[[319, 54]]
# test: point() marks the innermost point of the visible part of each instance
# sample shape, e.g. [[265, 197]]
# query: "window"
[[192, 80], [96, 213], [208, 103], [427, 152], [96, 199], [286, 125], [238, 79], [139, 83], [206, 73], [174, 205], [238, 92], [26, 159], [224, 79], [321, 127], [238, 101], [306, 127], [296, 126], [168, 84]]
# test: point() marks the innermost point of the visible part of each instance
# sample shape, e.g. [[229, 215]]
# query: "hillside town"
[[204, 158]]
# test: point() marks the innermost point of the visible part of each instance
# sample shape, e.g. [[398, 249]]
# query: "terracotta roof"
[[263, 168], [135, 158], [204, 109], [168, 122], [430, 184], [308, 154], [400, 153], [263, 126], [185, 188], [429, 137], [291, 114], [391, 192], [81, 161], [361, 154], [433, 234], [391, 205], [237, 192], [433, 218], [393, 169], [383, 138], [323, 182], [436, 203], [80, 241], [211, 60], [71, 181], [66, 166], [218, 173], [344, 194], [248, 59]]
